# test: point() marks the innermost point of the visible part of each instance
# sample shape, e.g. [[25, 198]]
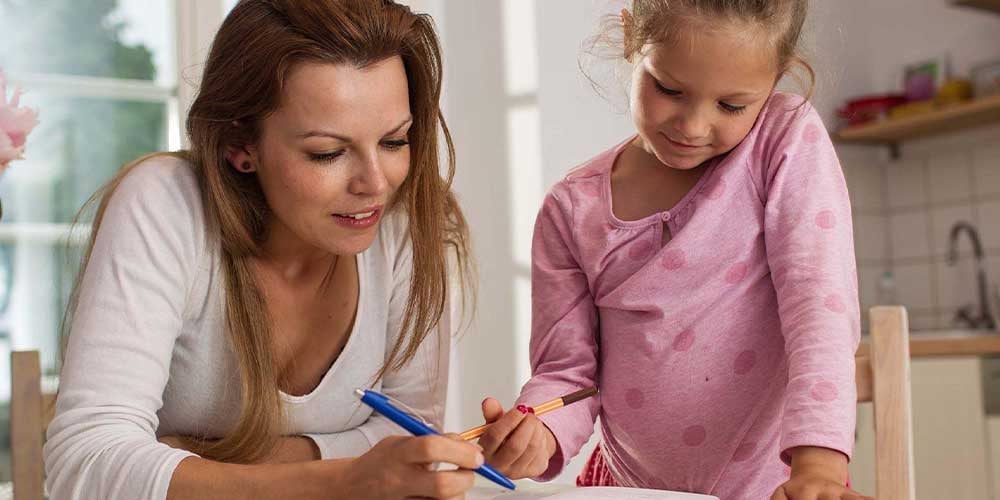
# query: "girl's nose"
[[693, 126]]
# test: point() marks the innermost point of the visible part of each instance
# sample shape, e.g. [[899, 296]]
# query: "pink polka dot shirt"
[[721, 350]]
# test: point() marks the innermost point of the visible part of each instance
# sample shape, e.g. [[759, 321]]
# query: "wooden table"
[[924, 344]]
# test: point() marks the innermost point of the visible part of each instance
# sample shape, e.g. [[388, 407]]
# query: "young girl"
[[236, 294], [701, 274]]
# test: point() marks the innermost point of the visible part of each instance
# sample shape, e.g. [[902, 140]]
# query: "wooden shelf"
[[981, 111], [991, 5], [954, 343]]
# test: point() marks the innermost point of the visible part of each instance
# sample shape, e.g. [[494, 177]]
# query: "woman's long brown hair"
[[256, 47]]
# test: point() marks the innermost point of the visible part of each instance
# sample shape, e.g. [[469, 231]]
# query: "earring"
[[245, 167]]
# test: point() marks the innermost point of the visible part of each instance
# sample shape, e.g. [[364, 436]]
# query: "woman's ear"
[[628, 28], [241, 158]]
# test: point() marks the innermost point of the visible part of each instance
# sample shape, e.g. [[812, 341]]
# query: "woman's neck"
[[291, 258]]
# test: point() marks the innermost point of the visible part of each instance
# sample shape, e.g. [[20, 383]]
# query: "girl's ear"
[[628, 27]]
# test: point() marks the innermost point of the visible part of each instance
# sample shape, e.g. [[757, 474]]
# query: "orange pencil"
[[539, 410]]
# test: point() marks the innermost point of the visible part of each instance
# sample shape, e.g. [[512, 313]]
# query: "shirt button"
[[665, 216]]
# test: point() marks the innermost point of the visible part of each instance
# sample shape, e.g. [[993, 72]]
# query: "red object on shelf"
[[869, 108]]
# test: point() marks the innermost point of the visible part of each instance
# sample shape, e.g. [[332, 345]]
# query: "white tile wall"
[[937, 182], [914, 288], [870, 238], [949, 177], [867, 187], [868, 284], [909, 234], [986, 165], [907, 184], [988, 218]]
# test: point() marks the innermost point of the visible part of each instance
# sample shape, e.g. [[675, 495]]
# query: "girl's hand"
[[517, 444], [810, 486], [402, 467], [817, 474]]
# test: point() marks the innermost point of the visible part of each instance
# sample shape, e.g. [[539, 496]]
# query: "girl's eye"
[[729, 108], [326, 157], [395, 144], [665, 91]]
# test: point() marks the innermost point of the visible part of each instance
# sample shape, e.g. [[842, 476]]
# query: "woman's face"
[[331, 157]]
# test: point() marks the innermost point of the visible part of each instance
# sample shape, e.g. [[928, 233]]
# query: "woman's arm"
[[289, 449], [397, 467]]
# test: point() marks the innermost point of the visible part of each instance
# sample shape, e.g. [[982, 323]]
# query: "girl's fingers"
[[519, 443], [499, 432]]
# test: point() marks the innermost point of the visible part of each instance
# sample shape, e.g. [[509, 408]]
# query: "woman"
[[234, 295]]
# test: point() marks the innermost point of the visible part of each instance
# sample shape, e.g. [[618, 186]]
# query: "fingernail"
[[480, 460], [525, 409]]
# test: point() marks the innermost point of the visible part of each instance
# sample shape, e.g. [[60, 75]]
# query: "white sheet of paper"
[[556, 493]]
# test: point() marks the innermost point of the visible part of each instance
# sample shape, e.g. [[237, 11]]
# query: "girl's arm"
[[564, 347], [810, 250]]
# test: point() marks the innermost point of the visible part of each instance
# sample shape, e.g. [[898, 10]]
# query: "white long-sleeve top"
[[148, 353]]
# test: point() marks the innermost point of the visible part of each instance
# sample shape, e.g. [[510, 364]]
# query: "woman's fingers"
[[431, 449], [441, 484]]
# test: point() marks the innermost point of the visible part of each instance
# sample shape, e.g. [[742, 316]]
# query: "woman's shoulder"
[[166, 180], [159, 196]]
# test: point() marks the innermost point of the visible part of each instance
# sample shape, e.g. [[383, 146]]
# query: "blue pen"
[[380, 403]]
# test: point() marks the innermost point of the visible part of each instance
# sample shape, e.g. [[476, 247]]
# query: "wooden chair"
[[30, 414], [883, 378]]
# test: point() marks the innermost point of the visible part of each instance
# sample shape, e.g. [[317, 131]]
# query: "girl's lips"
[[681, 144]]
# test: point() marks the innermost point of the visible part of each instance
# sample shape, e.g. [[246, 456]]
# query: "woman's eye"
[[325, 157], [395, 144]]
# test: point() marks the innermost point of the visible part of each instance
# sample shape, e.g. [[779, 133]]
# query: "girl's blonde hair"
[[666, 21], [254, 51]]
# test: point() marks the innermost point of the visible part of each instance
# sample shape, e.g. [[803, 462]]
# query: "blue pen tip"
[[359, 392]]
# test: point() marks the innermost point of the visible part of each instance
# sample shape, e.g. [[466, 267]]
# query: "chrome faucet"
[[983, 318]]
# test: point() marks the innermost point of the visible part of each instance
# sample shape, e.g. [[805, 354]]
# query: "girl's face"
[[333, 154], [698, 98]]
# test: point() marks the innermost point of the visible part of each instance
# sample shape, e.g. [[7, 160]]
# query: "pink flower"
[[15, 123]]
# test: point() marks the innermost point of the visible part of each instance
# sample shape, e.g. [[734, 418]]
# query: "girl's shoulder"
[[783, 116], [587, 181]]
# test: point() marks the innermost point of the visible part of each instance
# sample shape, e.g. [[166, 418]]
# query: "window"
[[104, 75]]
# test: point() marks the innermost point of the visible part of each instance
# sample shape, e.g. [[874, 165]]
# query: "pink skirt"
[[596, 472]]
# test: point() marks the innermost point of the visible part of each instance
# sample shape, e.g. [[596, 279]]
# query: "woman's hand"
[[403, 467], [517, 444], [817, 473]]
